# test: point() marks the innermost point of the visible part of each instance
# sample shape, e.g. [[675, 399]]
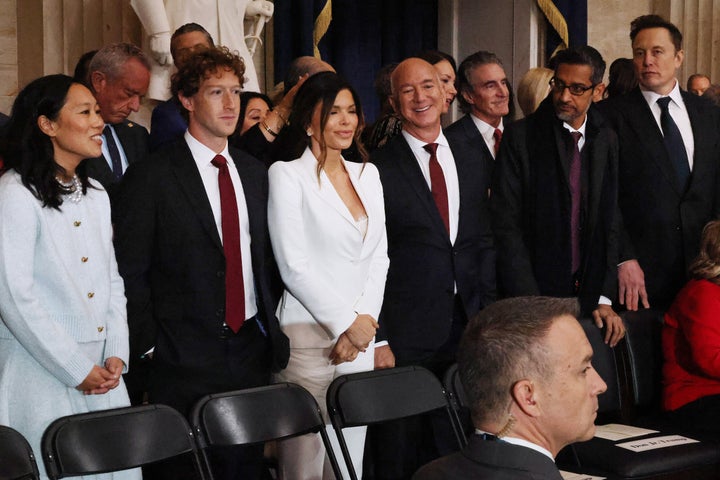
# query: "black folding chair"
[[17, 461], [459, 402], [367, 398], [258, 415], [115, 440]]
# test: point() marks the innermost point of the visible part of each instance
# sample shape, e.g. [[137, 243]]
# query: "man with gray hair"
[[525, 363], [118, 76]]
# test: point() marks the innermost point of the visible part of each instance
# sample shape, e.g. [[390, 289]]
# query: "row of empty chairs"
[[118, 439]]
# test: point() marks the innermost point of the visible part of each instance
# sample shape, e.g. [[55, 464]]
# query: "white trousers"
[[303, 458]]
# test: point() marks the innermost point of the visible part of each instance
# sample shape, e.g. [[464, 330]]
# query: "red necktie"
[[497, 135], [234, 288], [437, 185], [575, 199]]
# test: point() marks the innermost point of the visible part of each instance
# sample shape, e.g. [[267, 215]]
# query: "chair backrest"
[[117, 439], [366, 398], [604, 362], [459, 402], [644, 358], [257, 415], [17, 460]]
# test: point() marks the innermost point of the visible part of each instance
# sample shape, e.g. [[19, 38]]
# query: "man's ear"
[[598, 92], [468, 97], [97, 80], [186, 102], [47, 126], [523, 393], [393, 104]]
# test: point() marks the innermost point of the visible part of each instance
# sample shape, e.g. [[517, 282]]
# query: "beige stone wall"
[[8, 55], [609, 25]]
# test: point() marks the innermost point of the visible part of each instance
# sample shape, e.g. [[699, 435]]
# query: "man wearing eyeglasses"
[[669, 169], [554, 200]]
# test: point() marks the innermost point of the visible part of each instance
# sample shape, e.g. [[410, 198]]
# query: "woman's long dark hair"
[[322, 88], [27, 150]]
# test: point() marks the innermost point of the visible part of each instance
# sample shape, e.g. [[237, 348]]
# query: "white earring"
[[309, 132]]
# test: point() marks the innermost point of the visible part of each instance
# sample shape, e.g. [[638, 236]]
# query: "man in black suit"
[[202, 294], [442, 259], [484, 98], [669, 185], [554, 199], [118, 76], [526, 366]]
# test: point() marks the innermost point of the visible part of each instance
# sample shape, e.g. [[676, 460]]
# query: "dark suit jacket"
[[662, 223], [166, 124], [171, 257], [531, 209], [134, 140], [496, 460], [466, 136], [424, 266]]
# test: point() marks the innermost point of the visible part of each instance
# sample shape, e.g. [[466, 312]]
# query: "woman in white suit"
[[327, 227], [63, 326]]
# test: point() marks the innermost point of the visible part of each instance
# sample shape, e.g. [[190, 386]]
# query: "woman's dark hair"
[[321, 88], [707, 264], [245, 98], [621, 77], [27, 150], [436, 56]]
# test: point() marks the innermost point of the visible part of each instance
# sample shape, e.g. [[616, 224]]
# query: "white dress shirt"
[[678, 112], [106, 152], [203, 157], [447, 163], [487, 132]]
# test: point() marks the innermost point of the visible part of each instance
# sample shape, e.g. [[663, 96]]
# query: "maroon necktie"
[[497, 135], [575, 199], [437, 185], [234, 288]]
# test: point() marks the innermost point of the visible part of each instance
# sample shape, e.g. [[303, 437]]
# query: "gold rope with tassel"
[[322, 23], [557, 21]]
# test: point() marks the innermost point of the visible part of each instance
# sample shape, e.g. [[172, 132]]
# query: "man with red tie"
[[442, 259], [484, 97], [554, 196], [193, 248]]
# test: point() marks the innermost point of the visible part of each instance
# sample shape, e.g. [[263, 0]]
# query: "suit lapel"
[[647, 132], [597, 161], [473, 135], [703, 137], [407, 162], [190, 182]]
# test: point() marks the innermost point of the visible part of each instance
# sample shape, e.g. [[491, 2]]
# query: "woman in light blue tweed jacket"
[[63, 328]]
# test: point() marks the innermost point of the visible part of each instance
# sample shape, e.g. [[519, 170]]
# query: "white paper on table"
[[578, 476], [618, 431], [654, 443]]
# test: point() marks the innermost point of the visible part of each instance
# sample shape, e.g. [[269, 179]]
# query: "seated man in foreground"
[[526, 367]]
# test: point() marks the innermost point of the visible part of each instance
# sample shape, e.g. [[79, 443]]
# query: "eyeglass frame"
[[580, 89]]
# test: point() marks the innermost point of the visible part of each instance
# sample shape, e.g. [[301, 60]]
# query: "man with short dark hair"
[[118, 76], [193, 248], [697, 83], [484, 96], [554, 199], [669, 170], [526, 366]]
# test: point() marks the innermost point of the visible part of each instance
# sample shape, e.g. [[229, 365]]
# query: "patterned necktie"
[[234, 287], [114, 152], [497, 136], [437, 185], [674, 142], [575, 200]]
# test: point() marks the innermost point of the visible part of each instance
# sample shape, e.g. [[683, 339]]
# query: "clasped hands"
[[101, 380], [354, 340]]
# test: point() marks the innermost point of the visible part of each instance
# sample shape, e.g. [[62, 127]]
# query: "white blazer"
[[331, 273]]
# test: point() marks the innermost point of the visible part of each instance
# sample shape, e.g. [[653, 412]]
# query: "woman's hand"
[[343, 351], [362, 331], [102, 380]]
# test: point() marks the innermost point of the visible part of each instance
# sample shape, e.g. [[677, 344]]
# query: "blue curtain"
[[363, 36], [575, 13]]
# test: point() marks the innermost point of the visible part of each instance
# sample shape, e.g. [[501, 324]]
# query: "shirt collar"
[[581, 129], [202, 154], [521, 442], [486, 130], [651, 97], [417, 144]]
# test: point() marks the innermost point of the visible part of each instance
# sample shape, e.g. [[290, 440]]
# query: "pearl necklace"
[[75, 188]]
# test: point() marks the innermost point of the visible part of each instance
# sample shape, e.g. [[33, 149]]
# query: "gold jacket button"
[[77, 223], [91, 294], [84, 259], [100, 329]]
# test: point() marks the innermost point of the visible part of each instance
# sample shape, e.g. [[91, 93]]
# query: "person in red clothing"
[[691, 342]]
